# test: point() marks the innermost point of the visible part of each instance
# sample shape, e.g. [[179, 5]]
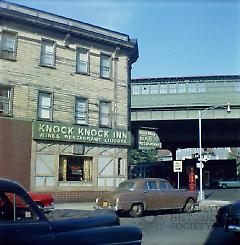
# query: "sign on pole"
[[177, 166]]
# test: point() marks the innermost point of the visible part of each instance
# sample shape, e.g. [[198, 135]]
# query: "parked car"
[[230, 183], [45, 201], [135, 196], [232, 218], [23, 223]]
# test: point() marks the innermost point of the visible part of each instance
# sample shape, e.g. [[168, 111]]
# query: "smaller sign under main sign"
[[148, 140], [177, 166]]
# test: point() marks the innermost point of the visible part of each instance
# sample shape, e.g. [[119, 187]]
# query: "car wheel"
[[189, 206], [136, 210], [224, 186]]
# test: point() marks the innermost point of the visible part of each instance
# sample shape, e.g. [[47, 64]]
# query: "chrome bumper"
[[112, 208], [234, 228], [48, 208]]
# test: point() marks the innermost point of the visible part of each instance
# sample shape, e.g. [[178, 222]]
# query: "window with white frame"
[[105, 119], [172, 88], [237, 86], [81, 111], [182, 88], [154, 88], [5, 100], [192, 87], [120, 166], [163, 88], [201, 87], [8, 45], [136, 89], [48, 53], [105, 66], [45, 105], [82, 61], [145, 89]]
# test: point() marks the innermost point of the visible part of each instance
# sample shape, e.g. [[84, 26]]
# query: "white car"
[[230, 183]]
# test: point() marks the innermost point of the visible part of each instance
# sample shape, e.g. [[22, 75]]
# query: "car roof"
[[8, 184]]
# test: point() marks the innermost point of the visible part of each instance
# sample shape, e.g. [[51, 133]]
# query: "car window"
[[162, 185], [14, 208], [127, 185], [169, 186], [150, 185]]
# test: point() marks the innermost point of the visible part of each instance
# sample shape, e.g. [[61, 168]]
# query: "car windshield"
[[127, 185]]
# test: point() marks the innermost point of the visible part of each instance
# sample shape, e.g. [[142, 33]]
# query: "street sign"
[[177, 166], [198, 165]]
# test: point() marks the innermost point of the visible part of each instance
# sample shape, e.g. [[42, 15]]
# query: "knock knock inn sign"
[[78, 133]]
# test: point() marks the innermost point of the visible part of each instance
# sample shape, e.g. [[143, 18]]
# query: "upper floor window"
[[201, 87], [5, 100], [81, 111], [105, 66], [105, 109], [163, 88], [192, 87], [182, 88], [45, 105], [48, 53], [172, 88], [8, 45], [82, 62], [153, 88], [136, 89], [145, 89]]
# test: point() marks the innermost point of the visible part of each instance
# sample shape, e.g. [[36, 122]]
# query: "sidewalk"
[[89, 205]]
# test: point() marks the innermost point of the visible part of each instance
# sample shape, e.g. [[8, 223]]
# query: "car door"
[[20, 224], [152, 194], [171, 198]]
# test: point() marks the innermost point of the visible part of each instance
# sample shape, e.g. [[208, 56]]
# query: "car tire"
[[189, 206], [136, 210], [224, 186]]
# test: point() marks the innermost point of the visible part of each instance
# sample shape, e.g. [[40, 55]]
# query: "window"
[[162, 185], [153, 88], [45, 106], [82, 62], [163, 88], [145, 89], [182, 88], [105, 114], [201, 87], [172, 88], [120, 166], [105, 66], [150, 185], [48, 52], [237, 86], [75, 168], [14, 208], [81, 111], [192, 88], [8, 45], [5, 100], [136, 89]]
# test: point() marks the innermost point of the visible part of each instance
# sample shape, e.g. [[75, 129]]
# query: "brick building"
[[64, 103]]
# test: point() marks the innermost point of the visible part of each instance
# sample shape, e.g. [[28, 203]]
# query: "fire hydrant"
[[192, 180]]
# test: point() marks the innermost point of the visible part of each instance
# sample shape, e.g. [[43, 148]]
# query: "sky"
[[176, 38]]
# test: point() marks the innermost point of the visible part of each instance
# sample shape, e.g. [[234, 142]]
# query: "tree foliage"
[[142, 156]]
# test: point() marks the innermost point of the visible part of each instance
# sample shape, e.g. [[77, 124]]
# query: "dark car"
[[135, 196], [232, 218], [22, 222]]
